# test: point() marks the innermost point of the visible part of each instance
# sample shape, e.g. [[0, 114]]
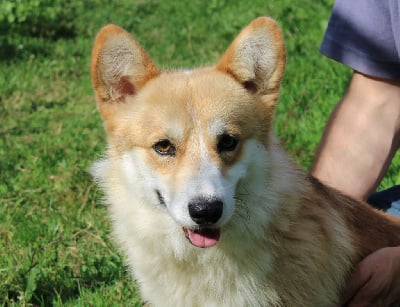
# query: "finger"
[[358, 279], [365, 297], [372, 293]]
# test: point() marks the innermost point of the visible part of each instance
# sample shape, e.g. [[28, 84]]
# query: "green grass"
[[55, 247]]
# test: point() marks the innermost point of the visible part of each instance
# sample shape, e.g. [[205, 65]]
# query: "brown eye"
[[226, 143], [164, 148]]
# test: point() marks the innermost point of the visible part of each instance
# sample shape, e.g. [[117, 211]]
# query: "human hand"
[[375, 282]]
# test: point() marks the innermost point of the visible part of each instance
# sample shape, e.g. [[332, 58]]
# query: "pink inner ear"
[[125, 87]]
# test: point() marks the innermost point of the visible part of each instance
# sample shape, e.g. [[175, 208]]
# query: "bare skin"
[[375, 281], [358, 144], [361, 137]]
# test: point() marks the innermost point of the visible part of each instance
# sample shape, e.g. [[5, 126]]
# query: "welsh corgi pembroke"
[[207, 207]]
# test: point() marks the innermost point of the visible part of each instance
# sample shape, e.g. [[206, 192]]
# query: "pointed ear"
[[256, 58], [120, 67]]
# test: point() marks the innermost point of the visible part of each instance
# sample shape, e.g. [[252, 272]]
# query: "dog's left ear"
[[256, 58]]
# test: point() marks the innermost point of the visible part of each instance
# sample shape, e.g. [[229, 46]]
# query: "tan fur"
[[291, 241]]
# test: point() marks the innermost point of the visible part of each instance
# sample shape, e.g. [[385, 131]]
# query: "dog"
[[205, 204]]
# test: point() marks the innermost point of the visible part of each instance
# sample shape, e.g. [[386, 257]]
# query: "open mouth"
[[203, 237]]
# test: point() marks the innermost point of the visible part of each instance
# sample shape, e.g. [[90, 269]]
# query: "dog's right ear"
[[120, 68]]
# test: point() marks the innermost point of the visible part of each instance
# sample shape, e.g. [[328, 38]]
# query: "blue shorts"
[[387, 200], [365, 35]]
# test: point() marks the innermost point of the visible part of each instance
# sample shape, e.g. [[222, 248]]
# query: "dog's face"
[[188, 138]]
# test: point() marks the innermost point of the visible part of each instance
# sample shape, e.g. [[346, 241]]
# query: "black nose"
[[205, 211]]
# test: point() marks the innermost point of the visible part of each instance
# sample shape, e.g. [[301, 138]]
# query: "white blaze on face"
[[205, 181]]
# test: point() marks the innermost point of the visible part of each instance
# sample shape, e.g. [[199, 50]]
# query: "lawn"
[[55, 245]]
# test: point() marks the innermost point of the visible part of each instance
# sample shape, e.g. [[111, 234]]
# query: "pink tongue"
[[204, 237]]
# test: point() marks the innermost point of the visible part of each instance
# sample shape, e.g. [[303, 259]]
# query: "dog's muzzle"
[[205, 213]]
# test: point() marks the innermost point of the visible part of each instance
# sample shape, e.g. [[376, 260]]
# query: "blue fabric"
[[387, 200], [394, 208], [365, 35]]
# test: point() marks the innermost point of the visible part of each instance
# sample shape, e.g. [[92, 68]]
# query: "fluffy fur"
[[179, 140]]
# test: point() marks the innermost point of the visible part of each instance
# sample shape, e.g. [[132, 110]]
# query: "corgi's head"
[[187, 138]]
